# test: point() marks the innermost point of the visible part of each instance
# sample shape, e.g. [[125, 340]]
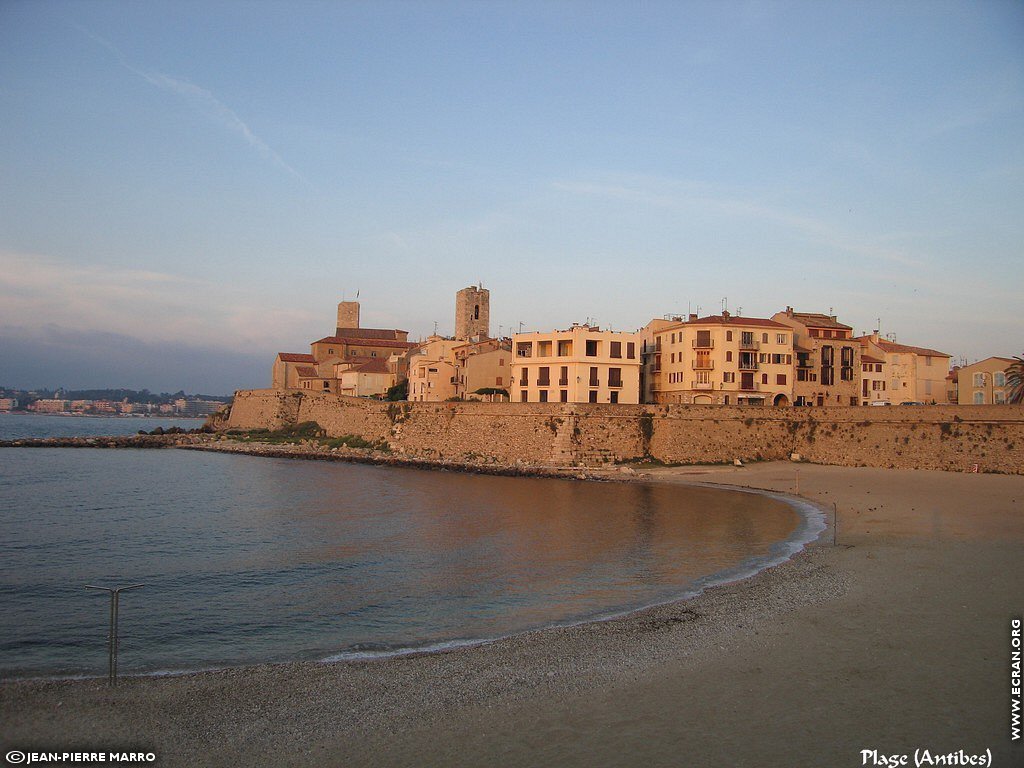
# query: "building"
[[49, 406], [473, 314], [370, 379], [984, 382], [432, 370], [348, 348], [483, 369], [723, 359], [580, 365], [909, 374], [8, 404], [826, 359]]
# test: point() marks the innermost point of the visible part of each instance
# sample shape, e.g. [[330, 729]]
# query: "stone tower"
[[473, 313], [348, 314]]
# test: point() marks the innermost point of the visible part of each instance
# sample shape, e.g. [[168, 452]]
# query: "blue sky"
[[189, 187]]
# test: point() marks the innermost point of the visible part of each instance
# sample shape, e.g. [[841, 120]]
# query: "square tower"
[[348, 314], [473, 313]]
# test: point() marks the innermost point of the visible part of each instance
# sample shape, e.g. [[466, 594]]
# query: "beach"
[[895, 639]]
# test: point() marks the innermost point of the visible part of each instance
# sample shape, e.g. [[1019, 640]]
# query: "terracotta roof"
[[295, 357], [369, 333], [761, 322], [890, 346], [306, 371], [356, 342], [870, 359], [373, 365], [818, 320]]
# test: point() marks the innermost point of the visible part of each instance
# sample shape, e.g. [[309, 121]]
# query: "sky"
[[188, 188]]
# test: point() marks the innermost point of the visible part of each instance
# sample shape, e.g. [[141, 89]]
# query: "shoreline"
[[895, 639]]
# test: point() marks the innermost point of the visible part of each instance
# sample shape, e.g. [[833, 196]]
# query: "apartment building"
[[723, 360], [826, 359], [911, 374], [984, 382], [580, 365]]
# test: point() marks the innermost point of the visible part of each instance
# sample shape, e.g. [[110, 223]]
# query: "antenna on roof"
[[739, 311], [435, 327], [357, 293], [725, 304]]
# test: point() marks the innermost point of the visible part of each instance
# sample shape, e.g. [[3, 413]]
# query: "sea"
[[248, 560]]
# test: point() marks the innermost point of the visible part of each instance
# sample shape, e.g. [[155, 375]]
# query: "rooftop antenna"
[[739, 311], [520, 326], [725, 304], [435, 327]]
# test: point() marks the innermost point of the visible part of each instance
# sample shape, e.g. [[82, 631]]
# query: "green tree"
[[399, 392], [1015, 381]]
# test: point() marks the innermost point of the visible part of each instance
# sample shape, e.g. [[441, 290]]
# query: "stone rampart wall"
[[923, 437]]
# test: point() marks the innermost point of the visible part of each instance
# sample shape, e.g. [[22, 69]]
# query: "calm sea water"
[[16, 426], [252, 560]]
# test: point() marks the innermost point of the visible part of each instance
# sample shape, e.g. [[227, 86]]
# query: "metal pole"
[[835, 522], [112, 640]]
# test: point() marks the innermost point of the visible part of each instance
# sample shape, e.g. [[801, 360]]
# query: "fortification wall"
[[924, 437]]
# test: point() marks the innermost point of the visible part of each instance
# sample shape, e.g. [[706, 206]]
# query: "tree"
[[399, 392], [1015, 381]]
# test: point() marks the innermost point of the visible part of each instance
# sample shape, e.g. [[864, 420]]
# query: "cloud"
[[203, 101], [36, 290]]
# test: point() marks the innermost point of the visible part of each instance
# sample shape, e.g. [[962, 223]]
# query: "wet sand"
[[895, 639]]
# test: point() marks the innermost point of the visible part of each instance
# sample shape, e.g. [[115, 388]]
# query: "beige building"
[[49, 406], [873, 380], [723, 359], [984, 382], [349, 347], [580, 365], [482, 366], [8, 403], [911, 374], [826, 359], [370, 379]]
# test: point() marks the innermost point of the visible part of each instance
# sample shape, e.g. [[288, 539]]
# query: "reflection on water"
[[264, 559]]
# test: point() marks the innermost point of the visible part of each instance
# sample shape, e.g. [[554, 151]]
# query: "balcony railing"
[[563, 382], [750, 344], [748, 365], [543, 382], [703, 385], [698, 344], [703, 365], [750, 386]]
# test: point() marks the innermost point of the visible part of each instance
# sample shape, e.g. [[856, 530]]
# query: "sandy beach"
[[895, 639]]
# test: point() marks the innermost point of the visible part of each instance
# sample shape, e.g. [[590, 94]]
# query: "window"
[[593, 376], [615, 397], [979, 398], [522, 396], [673, 341], [764, 338], [327, 385], [564, 348], [704, 339], [728, 357], [728, 335], [764, 357], [631, 350], [780, 379], [476, 311], [828, 370], [729, 378], [998, 378], [616, 349], [591, 348], [780, 338], [593, 396], [563, 376], [524, 349], [543, 378], [614, 377], [497, 381], [979, 379], [1000, 398], [524, 379], [564, 396], [928, 361], [846, 359], [764, 378], [673, 357], [747, 338], [543, 395]]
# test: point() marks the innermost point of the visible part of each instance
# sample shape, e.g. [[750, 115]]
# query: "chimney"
[[789, 311], [725, 314], [693, 317]]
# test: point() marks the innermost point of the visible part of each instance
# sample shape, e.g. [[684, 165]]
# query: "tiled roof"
[[761, 322], [373, 365], [369, 333], [295, 357], [356, 342], [306, 371], [870, 359], [818, 320], [890, 346]]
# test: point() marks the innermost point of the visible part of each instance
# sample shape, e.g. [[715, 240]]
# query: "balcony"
[[543, 382], [705, 344], [750, 344], [703, 385], [748, 386], [703, 365], [748, 365], [563, 382]]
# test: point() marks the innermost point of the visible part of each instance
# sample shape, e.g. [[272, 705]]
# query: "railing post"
[[112, 639]]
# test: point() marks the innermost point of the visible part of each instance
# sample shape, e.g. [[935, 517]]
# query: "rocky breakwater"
[[166, 440]]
